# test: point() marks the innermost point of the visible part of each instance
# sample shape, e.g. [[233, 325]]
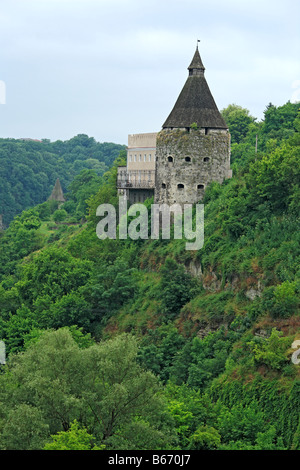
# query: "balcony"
[[135, 179]]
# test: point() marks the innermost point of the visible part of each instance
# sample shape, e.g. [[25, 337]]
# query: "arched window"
[[170, 159], [163, 185], [200, 186], [206, 159], [187, 159], [180, 186]]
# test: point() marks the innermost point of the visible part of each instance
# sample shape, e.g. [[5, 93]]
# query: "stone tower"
[[57, 192], [193, 147]]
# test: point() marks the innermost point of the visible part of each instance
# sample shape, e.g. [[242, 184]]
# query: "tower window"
[[170, 159], [187, 159], [206, 159], [180, 186], [163, 185], [200, 186]]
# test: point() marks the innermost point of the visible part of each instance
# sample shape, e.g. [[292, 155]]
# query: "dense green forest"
[[29, 168], [142, 344]]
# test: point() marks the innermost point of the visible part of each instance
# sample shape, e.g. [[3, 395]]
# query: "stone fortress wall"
[[187, 161]]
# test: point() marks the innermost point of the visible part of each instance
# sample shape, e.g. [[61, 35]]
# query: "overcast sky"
[[109, 68]]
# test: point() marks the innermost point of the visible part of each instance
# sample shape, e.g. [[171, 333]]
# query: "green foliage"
[[296, 438], [110, 287], [59, 215], [193, 373], [19, 240], [205, 438], [30, 168], [282, 301], [24, 429], [277, 405], [240, 423], [279, 122], [268, 440], [101, 386], [190, 410], [15, 327], [52, 274], [238, 120], [199, 361], [272, 351], [75, 438], [275, 177], [80, 190], [175, 286], [159, 348]]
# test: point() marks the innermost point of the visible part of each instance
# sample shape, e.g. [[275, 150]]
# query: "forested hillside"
[[29, 168], [142, 344]]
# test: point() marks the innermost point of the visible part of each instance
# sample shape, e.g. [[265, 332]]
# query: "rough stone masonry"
[[187, 161]]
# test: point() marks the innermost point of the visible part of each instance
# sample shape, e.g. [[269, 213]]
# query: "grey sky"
[[109, 68]]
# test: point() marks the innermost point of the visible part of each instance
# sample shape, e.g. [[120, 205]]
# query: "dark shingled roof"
[[195, 102], [196, 62]]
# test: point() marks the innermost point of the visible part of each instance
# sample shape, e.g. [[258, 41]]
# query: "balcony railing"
[[138, 179]]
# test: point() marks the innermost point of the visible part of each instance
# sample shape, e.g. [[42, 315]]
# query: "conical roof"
[[196, 62], [195, 103], [57, 192]]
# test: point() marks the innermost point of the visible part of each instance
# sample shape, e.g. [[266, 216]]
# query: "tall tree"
[[101, 386]]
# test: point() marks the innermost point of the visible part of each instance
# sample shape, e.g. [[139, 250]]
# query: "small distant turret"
[[57, 192]]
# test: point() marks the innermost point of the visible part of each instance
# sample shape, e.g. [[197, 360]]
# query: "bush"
[[59, 215], [281, 301]]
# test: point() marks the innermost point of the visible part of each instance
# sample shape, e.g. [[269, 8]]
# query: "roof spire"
[[57, 192], [195, 103], [196, 67]]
